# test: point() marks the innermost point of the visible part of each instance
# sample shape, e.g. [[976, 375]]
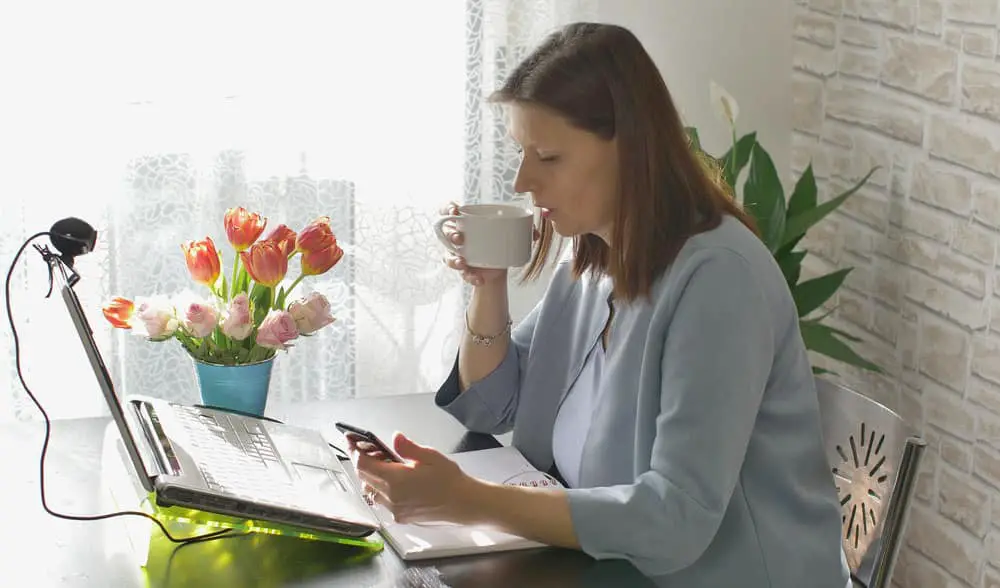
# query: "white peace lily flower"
[[725, 105]]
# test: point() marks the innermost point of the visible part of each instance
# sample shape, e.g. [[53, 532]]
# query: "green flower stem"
[[732, 160], [232, 286], [221, 340], [292, 287], [210, 345]]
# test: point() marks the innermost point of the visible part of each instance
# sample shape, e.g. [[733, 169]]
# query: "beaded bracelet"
[[486, 340]]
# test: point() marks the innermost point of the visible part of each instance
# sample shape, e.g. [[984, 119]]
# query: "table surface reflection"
[[40, 550]]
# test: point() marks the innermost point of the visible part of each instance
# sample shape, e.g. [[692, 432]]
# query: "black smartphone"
[[362, 436]]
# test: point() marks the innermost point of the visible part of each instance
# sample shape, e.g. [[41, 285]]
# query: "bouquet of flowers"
[[245, 320]]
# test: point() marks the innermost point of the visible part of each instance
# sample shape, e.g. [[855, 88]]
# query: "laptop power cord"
[[48, 425]]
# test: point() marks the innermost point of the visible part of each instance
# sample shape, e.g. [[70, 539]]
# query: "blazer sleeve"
[[715, 365], [489, 405]]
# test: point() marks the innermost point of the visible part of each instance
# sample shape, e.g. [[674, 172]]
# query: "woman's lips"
[[546, 212]]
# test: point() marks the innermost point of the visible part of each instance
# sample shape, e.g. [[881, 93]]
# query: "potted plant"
[[782, 225], [234, 333]]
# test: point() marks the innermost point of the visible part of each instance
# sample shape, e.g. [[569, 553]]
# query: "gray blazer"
[[704, 464]]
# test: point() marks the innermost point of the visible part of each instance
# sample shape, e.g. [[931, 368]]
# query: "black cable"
[[48, 427]]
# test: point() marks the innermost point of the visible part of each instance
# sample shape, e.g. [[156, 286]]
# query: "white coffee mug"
[[496, 236]]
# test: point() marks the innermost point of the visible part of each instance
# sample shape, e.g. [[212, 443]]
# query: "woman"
[[662, 376]]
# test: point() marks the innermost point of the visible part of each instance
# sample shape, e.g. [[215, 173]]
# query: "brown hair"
[[601, 79]]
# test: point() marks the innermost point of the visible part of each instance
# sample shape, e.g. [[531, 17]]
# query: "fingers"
[[410, 450], [455, 262], [357, 445], [367, 488], [376, 466], [452, 233], [380, 498], [369, 448], [373, 497], [470, 275], [450, 209], [373, 482], [472, 278]]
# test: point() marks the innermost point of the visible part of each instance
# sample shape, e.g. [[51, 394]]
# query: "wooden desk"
[[37, 549]]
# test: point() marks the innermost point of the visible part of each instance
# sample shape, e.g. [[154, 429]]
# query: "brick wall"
[[913, 86]]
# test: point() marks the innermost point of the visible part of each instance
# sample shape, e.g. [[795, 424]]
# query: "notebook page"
[[502, 465]]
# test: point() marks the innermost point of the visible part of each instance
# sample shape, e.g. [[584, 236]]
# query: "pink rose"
[[157, 318], [277, 330], [200, 320], [237, 324], [311, 313]]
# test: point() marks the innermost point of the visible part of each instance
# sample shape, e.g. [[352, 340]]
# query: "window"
[[149, 122]]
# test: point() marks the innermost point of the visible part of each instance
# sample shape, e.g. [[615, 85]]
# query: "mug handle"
[[439, 231]]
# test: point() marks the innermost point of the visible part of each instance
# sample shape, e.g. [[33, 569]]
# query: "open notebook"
[[502, 465]]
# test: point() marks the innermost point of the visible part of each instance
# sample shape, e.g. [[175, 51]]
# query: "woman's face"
[[572, 174]]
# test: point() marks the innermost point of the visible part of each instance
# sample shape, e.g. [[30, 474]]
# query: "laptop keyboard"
[[237, 458]]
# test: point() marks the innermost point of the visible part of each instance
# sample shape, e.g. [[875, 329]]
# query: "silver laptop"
[[219, 462]]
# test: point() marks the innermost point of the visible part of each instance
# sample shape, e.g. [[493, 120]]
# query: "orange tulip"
[[316, 236], [242, 227], [284, 237], [315, 263], [119, 312], [266, 263], [202, 260]]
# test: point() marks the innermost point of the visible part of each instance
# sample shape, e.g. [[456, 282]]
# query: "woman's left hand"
[[427, 487]]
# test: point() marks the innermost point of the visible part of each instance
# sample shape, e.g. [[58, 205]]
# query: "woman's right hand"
[[475, 276]]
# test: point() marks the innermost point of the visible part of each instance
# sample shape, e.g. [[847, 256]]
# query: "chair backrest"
[[874, 456]]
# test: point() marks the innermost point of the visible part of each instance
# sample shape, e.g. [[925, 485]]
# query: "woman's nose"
[[522, 181]]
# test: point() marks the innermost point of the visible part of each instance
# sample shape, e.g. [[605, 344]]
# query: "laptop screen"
[[103, 377]]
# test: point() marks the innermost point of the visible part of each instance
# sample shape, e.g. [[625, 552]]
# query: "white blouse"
[[575, 415]]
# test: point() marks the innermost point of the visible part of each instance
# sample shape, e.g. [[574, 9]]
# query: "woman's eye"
[[548, 158]]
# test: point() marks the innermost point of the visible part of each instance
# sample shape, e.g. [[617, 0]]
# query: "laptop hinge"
[[163, 452]]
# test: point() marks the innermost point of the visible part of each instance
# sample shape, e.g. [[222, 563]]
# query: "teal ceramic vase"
[[239, 388]]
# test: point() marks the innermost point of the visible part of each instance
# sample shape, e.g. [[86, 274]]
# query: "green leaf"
[[791, 266], [811, 294], [260, 300], [797, 225], [822, 339], [776, 226], [818, 371], [736, 158], [844, 334], [693, 137], [789, 246], [803, 197], [259, 353], [821, 317], [785, 250], [764, 197]]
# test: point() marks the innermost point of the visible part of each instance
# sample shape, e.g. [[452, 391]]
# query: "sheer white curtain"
[[149, 120]]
